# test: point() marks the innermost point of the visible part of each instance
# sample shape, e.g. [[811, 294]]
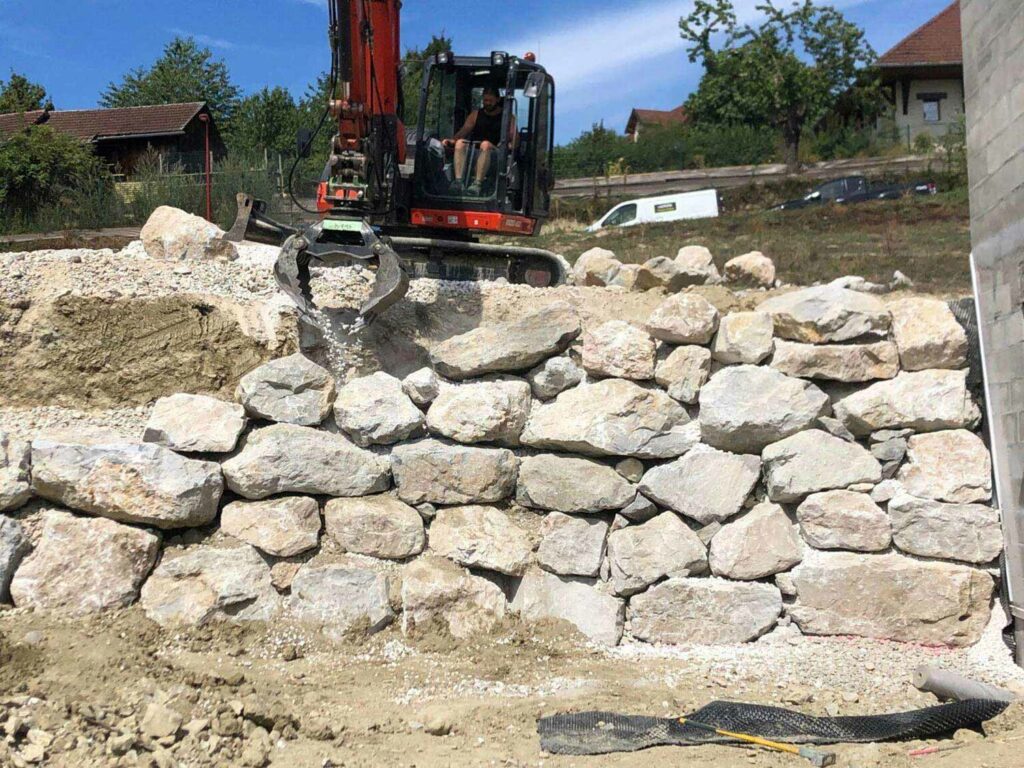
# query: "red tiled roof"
[[99, 124], [655, 117], [937, 42]]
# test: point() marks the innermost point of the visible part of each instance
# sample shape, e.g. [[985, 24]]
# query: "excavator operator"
[[482, 127]]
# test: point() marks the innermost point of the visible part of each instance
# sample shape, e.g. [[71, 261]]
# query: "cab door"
[[542, 132]]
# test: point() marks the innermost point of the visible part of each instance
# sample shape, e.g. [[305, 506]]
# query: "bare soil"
[[392, 701]]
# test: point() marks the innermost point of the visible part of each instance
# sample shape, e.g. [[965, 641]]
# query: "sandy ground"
[[284, 696]]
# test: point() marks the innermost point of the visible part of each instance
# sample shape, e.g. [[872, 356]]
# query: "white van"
[[651, 210]]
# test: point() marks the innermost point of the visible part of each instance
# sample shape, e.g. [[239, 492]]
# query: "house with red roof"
[[924, 75], [122, 136], [641, 118]]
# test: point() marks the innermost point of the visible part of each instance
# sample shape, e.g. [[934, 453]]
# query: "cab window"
[[833, 190], [621, 215]]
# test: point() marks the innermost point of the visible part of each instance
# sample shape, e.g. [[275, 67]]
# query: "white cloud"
[[607, 50]]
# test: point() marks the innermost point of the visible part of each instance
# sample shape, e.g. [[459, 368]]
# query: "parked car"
[[857, 189], [650, 210]]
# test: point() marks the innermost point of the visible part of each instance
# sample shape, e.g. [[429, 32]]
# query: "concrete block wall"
[[994, 83]]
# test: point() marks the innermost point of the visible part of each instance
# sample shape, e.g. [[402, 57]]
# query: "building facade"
[[924, 79]]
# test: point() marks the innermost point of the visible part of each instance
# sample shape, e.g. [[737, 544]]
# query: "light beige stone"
[[438, 593], [744, 338], [572, 546], [814, 461], [753, 269], [952, 465], [374, 410], [683, 372], [596, 267], [570, 484], [685, 318], [618, 349], [844, 520], [928, 334], [837, 362], [827, 313], [481, 537], [290, 390], [761, 543], [641, 555], [429, 471], [195, 424], [281, 527], [891, 597], [481, 412], [967, 532], [376, 526], [83, 565], [544, 596]]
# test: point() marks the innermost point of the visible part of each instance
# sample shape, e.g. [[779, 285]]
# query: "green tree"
[[265, 120], [787, 73], [19, 94], [185, 72], [40, 167], [412, 74], [591, 153]]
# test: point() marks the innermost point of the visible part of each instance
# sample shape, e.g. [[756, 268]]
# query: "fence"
[[667, 182]]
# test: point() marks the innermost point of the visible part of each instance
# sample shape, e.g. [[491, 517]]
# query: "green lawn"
[[928, 239]]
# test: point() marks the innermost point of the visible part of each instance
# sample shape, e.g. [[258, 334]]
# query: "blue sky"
[[606, 55]]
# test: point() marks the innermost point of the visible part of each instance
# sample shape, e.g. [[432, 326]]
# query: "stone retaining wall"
[[696, 479]]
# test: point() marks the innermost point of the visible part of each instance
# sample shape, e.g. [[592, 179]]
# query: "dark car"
[[857, 189]]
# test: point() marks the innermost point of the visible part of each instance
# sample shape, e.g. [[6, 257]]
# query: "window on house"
[[932, 111]]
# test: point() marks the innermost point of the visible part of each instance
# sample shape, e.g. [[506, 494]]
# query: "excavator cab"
[[515, 196]]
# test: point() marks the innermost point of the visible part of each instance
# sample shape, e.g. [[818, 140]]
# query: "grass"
[[928, 239]]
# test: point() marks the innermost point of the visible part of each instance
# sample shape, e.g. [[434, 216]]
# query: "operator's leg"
[[483, 163], [461, 153]]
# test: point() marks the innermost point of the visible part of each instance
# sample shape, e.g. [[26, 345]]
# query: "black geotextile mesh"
[[598, 733]]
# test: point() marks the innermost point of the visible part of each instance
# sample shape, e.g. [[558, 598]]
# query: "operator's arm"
[[465, 130]]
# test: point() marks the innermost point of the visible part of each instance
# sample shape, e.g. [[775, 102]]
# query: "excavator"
[[397, 200]]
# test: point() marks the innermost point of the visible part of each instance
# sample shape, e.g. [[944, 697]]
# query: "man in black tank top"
[[483, 127]]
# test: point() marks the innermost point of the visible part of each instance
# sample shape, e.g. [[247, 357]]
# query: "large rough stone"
[[290, 390], [195, 424], [968, 532], [422, 386], [569, 484], [282, 527], [744, 338], [341, 599], [552, 377], [641, 555], [613, 418], [752, 269], [284, 458], [844, 520], [208, 584], [171, 234], [619, 350], [744, 408], [15, 479], [481, 537], [144, 484], [437, 473], [697, 263], [663, 272], [13, 547], [814, 461], [953, 465], [632, 277], [827, 313], [597, 615], [376, 526], [640, 510], [83, 565], [704, 612], [596, 267], [438, 593], [686, 318], [373, 410], [482, 412], [572, 546], [761, 543], [837, 362], [925, 401], [928, 334], [683, 372], [517, 345], [706, 485], [891, 597]]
